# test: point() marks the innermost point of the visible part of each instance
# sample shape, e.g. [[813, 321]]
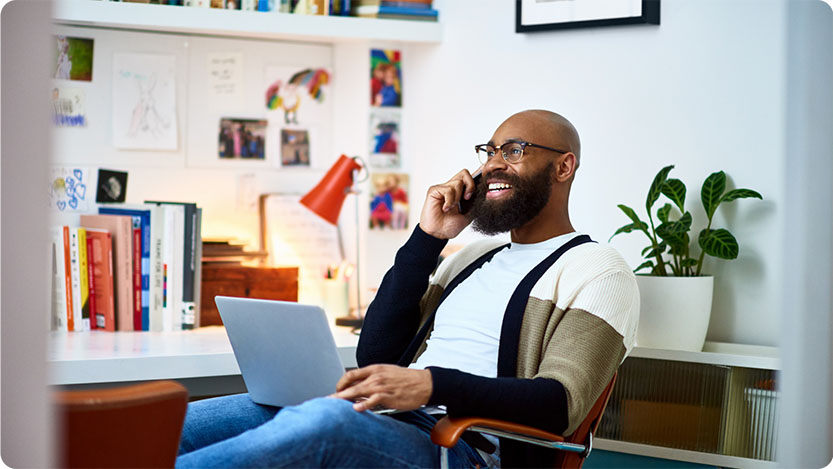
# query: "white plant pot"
[[674, 312]]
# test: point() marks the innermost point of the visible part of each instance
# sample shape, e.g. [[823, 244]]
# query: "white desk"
[[201, 359]]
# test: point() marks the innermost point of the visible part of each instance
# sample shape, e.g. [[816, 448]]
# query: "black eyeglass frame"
[[518, 142]]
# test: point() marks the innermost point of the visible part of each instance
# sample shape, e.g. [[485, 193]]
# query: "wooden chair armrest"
[[448, 430], [114, 398]]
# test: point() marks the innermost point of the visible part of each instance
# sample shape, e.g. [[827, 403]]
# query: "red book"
[[91, 281], [68, 277], [120, 229], [137, 274], [105, 306]]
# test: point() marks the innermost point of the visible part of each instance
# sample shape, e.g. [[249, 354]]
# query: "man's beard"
[[529, 196]]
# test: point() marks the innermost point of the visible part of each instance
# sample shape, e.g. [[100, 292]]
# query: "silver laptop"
[[285, 350]]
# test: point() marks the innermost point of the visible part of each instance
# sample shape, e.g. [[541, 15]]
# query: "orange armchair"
[[130, 426], [574, 449]]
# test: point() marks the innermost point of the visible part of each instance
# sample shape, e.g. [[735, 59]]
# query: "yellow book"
[[84, 279]]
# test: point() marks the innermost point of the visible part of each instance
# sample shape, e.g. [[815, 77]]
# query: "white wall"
[[705, 90]]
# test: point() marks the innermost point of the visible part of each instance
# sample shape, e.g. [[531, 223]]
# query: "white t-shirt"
[[467, 326]]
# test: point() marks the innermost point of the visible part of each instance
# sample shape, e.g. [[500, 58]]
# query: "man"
[[530, 332]]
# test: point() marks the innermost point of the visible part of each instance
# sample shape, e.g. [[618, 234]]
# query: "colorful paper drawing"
[[242, 138], [389, 201], [384, 138], [144, 101], [73, 58], [294, 147], [385, 78], [291, 86], [68, 189], [68, 107]]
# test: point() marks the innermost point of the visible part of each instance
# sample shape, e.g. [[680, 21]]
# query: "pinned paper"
[[68, 189]]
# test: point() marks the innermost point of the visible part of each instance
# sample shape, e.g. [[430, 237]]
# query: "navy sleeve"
[[392, 320], [539, 402]]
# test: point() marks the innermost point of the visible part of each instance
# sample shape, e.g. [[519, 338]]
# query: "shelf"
[[718, 353], [108, 357], [681, 455], [247, 24]]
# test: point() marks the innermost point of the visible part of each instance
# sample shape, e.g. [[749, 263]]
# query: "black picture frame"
[[650, 15]]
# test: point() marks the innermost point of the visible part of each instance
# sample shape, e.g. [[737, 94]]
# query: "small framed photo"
[[389, 201], [384, 138], [545, 15], [295, 148], [242, 139]]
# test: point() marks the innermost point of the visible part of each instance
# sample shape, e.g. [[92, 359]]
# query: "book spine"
[[59, 293], [110, 303], [189, 264], [84, 277], [137, 273], [157, 274], [145, 293], [75, 276], [91, 283], [68, 279]]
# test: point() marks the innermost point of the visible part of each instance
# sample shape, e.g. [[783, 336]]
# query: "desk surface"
[[106, 357]]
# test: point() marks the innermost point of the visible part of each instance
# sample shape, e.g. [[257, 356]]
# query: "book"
[[91, 281], [405, 4], [77, 323], [142, 285], [84, 278], [61, 279], [408, 12], [121, 232], [100, 256], [198, 272], [191, 237]]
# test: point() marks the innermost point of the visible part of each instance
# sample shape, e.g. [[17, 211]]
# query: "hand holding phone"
[[464, 205]]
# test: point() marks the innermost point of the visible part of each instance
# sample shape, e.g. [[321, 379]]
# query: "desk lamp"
[[326, 200]]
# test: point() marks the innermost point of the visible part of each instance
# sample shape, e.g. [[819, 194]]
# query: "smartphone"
[[465, 205]]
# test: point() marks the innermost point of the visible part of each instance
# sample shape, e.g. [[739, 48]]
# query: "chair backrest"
[[588, 426], [131, 426]]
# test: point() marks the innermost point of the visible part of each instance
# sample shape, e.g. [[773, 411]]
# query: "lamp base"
[[349, 321]]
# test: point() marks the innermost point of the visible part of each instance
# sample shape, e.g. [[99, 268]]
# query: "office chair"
[[573, 449], [131, 426]]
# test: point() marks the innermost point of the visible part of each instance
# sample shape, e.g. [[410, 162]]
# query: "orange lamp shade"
[[327, 197]]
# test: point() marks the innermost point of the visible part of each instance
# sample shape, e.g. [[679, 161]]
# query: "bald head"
[[559, 131]]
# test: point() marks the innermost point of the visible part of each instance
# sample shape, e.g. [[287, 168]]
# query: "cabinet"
[[267, 283]]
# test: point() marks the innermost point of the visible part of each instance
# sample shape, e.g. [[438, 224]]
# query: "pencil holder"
[[335, 298]]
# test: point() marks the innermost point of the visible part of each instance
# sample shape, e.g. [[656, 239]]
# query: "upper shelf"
[[252, 24], [719, 353]]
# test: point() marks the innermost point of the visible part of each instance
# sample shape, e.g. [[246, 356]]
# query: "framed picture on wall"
[[545, 15]]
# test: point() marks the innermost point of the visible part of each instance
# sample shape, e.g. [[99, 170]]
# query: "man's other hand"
[[390, 386], [440, 216]]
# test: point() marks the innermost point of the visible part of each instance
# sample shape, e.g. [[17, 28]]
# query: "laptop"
[[285, 350]]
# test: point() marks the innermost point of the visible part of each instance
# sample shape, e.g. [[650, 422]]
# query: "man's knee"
[[326, 416]]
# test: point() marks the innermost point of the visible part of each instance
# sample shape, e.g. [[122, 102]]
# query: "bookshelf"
[[242, 24]]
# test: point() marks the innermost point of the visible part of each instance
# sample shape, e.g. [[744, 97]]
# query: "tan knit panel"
[[582, 353], [540, 320], [427, 304]]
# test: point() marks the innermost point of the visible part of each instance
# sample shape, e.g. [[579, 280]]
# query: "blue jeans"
[[233, 431]]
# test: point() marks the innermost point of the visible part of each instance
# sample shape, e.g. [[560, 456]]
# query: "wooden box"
[[268, 283]]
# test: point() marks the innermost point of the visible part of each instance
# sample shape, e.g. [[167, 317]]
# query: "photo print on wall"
[[112, 186], [385, 138], [294, 147], [73, 58], [242, 139], [385, 78], [389, 201]]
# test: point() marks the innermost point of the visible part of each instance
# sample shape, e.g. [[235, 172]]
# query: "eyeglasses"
[[511, 151]]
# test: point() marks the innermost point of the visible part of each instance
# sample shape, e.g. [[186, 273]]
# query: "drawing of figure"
[[64, 60], [146, 118], [287, 96]]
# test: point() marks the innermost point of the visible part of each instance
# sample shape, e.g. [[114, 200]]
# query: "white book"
[[60, 305], [172, 255], [179, 265]]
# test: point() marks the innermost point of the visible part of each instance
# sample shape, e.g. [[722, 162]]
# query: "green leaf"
[[679, 249], [675, 190], [628, 228], [675, 233], [712, 191], [656, 187], [663, 212], [689, 262], [644, 265], [719, 243], [653, 252], [740, 194], [631, 214]]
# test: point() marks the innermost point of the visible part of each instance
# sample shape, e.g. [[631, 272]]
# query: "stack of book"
[[228, 251], [395, 9], [129, 268]]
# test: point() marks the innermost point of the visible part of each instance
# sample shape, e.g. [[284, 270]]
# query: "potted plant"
[[676, 297]]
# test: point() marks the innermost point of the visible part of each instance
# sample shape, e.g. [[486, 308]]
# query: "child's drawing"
[[68, 189], [290, 87], [144, 102]]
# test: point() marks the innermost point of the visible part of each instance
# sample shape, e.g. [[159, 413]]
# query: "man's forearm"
[[540, 402], [392, 319]]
